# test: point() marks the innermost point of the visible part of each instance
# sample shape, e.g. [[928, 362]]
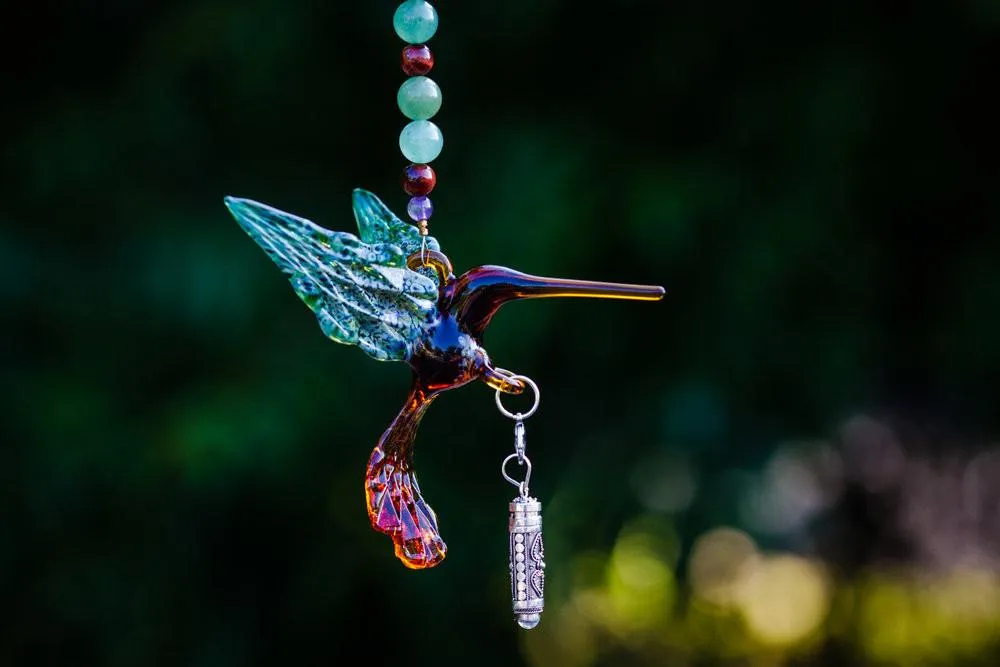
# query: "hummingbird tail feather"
[[396, 508]]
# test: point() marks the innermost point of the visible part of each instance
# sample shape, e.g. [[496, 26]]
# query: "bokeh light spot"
[[719, 561], [785, 599], [664, 482], [641, 584]]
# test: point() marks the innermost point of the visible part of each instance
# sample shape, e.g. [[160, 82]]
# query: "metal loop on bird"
[[433, 259], [522, 486], [517, 416], [501, 381]]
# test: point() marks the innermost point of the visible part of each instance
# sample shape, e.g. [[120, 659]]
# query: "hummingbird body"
[[447, 357]]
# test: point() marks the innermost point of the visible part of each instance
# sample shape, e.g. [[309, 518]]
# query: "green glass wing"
[[377, 224], [359, 288]]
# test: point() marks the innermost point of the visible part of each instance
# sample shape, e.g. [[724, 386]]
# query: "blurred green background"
[[791, 460]]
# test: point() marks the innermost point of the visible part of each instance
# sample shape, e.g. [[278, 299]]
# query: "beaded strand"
[[419, 99]]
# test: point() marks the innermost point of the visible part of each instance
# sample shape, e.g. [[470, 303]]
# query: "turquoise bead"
[[415, 21], [419, 98], [421, 141]]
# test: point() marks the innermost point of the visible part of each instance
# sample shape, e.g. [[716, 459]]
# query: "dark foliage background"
[[787, 461]]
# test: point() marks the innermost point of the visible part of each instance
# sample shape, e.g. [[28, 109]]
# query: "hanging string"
[[419, 99]]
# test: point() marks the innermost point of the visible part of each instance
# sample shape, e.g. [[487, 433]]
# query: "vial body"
[[527, 561]]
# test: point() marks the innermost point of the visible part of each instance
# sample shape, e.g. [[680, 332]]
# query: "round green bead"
[[415, 21], [421, 141], [419, 98]]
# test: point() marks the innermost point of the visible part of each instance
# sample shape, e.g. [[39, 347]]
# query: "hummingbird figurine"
[[393, 293]]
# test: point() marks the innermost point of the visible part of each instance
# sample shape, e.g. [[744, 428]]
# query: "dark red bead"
[[419, 180], [417, 59]]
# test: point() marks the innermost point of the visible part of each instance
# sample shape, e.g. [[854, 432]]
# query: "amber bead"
[[417, 59], [419, 180]]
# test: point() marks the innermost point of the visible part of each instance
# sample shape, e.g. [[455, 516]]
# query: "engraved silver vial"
[[527, 564]]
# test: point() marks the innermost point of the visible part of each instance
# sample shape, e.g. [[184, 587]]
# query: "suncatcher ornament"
[[391, 291]]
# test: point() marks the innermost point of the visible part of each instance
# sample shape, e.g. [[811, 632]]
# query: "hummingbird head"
[[452, 354]]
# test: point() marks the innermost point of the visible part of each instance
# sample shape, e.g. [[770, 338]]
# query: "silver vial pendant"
[[527, 561]]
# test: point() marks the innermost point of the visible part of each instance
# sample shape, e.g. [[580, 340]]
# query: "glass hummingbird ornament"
[[393, 293]]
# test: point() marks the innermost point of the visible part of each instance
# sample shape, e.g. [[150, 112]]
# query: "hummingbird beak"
[[479, 293]]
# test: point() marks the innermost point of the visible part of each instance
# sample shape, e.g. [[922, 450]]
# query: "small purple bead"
[[420, 208]]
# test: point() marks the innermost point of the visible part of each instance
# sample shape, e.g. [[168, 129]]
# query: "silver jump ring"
[[528, 381], [522, 486]]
